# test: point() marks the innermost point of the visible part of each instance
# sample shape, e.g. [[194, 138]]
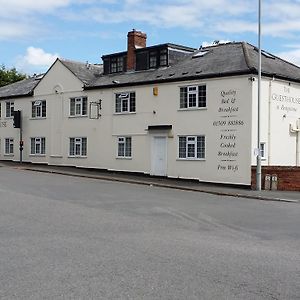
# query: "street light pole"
[[258, 157]]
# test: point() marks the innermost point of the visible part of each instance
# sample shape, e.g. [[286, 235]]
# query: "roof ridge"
[[246, 56]]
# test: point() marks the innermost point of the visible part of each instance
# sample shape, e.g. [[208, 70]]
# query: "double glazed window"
[[153, 59], [9, 109], [125, 102], [116, 65], [9, 146], [192, 147], [38, 109], [193, 96], [124, 147], [78, 146], [263, 150], [38, 146], [78, 106], [163, 58]]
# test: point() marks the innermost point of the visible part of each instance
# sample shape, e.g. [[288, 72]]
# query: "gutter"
[[166, 80]]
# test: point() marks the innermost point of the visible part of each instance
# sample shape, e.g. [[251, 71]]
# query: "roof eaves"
[[174, 79]]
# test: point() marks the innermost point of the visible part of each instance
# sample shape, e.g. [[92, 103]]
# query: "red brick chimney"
[[135, 40]]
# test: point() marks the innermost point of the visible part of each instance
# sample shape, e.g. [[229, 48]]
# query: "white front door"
[[159, 156]]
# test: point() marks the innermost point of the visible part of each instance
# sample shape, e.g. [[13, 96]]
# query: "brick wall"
[[135, 39], [288, 177]]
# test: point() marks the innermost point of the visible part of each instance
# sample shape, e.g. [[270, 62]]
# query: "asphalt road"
[[73, 238]]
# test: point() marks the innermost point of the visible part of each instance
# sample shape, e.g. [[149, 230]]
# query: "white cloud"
[[11, 8], [13, 30], [36, 60], [291, 56]]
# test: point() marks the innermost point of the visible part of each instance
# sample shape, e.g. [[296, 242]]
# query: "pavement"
[[141, 179]]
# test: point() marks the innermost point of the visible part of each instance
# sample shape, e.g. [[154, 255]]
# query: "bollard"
[[274, 182], [267, 182]]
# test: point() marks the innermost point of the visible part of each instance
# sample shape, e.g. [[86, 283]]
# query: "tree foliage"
[[8, 76]]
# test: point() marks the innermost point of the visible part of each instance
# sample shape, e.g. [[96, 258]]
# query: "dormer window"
[[163, 59], [152, 59], [116, 65]]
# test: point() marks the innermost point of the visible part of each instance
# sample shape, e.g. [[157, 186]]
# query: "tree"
[[8, 76]]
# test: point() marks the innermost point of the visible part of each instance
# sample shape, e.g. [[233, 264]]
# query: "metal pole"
[[21, 146], [258, 158]]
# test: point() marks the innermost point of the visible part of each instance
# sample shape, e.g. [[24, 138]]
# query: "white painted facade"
[[228, 123]]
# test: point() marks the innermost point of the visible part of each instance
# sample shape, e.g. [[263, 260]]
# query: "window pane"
[[132, 102], [182, 147], [33, 114], [77, 108], [84, 106], [121, 149], [44, 109], [128, 147], [38, 110], [125, 105], [32, 146], [118, 103], [191, 150], [202, 96], [72, 146], [37, 147], [84, 146], [200, 146], [193, 100], [72, 106], [43, 147], [183, 97]]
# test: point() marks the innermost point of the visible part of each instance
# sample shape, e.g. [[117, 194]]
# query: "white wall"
[[280, 107], [216, 122]]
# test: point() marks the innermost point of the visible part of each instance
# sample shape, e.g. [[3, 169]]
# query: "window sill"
[[8, 118], [71, 156], [37, 155], [192, 108], [79, 116], [125, 113], [126, 158], [191, 159], [38, 118], [5, 154]]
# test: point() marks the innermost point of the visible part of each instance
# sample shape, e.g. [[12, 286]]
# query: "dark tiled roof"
[[83, 71], [219, 60], [20, 88], [272, 66]]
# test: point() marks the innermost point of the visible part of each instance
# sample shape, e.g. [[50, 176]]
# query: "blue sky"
[[34, 32]]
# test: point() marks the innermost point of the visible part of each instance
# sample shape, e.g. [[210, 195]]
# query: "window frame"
[[126, 143], [153, 59], [195, 144], [10, 110], [163, 57], [262, 149], [34, 142], [128, 101], [41, 108], [80, 142], [10, 145], [78, 103], [187, 92]]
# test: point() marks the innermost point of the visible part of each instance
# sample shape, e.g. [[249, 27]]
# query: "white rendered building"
[[164, 110]]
